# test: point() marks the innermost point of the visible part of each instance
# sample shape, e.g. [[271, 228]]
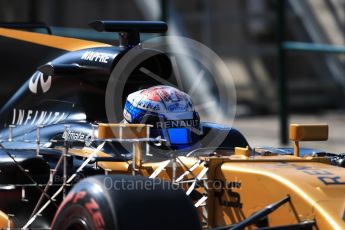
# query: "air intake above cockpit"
[[129, 31]]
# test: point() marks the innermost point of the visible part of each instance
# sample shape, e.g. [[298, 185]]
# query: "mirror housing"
[[308, 132]]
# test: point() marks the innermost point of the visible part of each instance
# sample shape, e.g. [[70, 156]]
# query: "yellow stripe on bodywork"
[[119, 167], [63, 43], [290, 184], [85, 152]]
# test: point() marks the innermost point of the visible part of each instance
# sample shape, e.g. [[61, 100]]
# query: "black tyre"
[[126, 203]]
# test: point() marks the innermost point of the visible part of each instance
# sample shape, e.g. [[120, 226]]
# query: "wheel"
[[125, 203]]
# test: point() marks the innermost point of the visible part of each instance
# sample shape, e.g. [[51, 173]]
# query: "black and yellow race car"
[[64, 164]]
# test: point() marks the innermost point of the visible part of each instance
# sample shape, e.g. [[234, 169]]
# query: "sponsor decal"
[[36, 117], [96, 56], [149, 105], [177, 124], [234, 184], [326, 177], [77, 136], [38, 77], [132, 114], [58, 179], [127, 115], [177, 107], [232, 199]]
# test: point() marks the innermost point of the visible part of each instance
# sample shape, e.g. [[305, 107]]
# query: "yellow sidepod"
[[317, 192]]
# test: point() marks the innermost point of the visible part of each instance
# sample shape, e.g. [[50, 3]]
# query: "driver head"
[[170, 112]]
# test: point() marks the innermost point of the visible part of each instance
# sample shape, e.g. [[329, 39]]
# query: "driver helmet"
[[169, 111]]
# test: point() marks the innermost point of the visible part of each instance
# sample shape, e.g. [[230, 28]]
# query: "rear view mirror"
[[311, 132]]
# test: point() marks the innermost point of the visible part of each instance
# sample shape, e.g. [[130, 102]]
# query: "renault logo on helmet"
[[38, 77], [177, 123]]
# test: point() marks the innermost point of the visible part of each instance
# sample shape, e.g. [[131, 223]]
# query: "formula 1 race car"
[[64, 164]]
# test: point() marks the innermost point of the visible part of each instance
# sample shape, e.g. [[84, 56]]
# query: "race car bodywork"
[[55, 133]]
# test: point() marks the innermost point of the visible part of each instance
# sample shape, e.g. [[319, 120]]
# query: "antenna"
[[129, 31]]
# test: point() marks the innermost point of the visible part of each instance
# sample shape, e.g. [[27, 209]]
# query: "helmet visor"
[[179, 136]]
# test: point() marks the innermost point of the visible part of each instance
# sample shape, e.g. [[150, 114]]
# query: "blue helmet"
[[170, 112]]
